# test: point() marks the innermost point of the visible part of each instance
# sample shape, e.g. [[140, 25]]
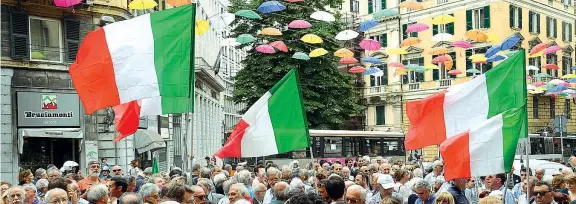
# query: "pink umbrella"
[[265, 49], [299, 24], [279, 45], [462, 44], [418, 27], [348, 60], [294, 1], [370, 45], [552, 49], [357, 69], [396, 64], [440, 59], [528, 78], [66, 3], [539, 83], [454, 72]]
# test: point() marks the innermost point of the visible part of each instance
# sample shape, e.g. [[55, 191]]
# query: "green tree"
[[329, 95]]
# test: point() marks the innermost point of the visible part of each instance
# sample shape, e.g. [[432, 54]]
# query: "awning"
[[73, 133], [146, 140]]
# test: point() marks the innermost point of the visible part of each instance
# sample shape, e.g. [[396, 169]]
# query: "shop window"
[[45, 39]]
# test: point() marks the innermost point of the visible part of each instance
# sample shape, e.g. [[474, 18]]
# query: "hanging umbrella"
[[70, 164], [462, 44], [473, 71], [370, 45], [357, 69], [539, 54], [270, 31], [245, 38], [417, 27], [248, 14], [367, 25], [137, 4], [419, 69], [411, 5], [454, 72], [201, 27], [346, 35], [318, 52], [270, 6], [379, 73], [441, 59], [530, 87], [300, 56], [294, 1], [552, 49], [431, 66], [551, 66], [178, 2], [311, 38], [479, 61], [476, 35], [400, 71], [492, 51], [372, 60], [556, 89], [528, 78], [509, 42], [396, 51], [571, 81], [371, 71], [542, 75], [348, 60], [438, 51], [569, 76], [492, 37], [569, 91], [557, 82], [384, 13], [222, 21], [411, 66], [279, 45], [443, 19], [442, 37], [343, 52], [229, 42], [299, 24], [539, 83], [530, 67], [477, 56], [323, 16], [495, 58], [409, 42], [511, 53], [266, 49], [396, 64], [538, 48]]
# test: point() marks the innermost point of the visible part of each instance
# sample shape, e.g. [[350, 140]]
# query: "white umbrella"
[[229, 42], [378, 74], [346, 35], [221, 21], [70, 164], [557, 81], [530, 87], [530, 67], [323, 16], [569, 91], [442, 37]]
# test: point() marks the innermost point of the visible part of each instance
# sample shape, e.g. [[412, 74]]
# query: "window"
[[515, 17], [384, 40], [45, 39], [478, 18], [370, 6], [567, 108], [566, 32], [446, 28], [381, 80], [552, 107], [534, 22], [566, 64], [442, 72], [552, 59], [354, 6], [535, 61], [535, 107], [551, 27], [412, 76], [380, 115]]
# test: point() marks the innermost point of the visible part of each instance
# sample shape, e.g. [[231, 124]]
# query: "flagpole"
[[527, 147], [189, 117]]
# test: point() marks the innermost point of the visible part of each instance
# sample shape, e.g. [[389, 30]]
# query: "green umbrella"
[[385, 13], [248, 14], [542, 75], [419, 69], [473, 71], [412, 66], [509, 54], [245, 38], [300, 56]]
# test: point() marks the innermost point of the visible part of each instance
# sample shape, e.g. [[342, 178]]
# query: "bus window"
[[373, 147], [332, 146], [390, 148], [351, 146]]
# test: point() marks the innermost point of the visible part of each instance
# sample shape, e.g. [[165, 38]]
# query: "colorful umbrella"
[[384, 13], [530, 87], [300, 56], [538, 48], [248, 14], [530, 67], [371, 71], [201, 26], [417, 27], [476, 35], [346, 35], [245, 38], [473, 71], [440, 59], [431, 66], [311, 38], [551, 66], [299, 24], [462, 44], [279, 45], [178, 2], [443, 19], [419, 69], [409, 42], [372, 60], [270, 6], [411, 5], [495, 58], [492, 51], [538, 54], [323, 16], [552, 49], [454, 72], [542, 75], [493, 38], [370, 45], [479, 61], [270, 31], [396, 64], [511, 53], [442, 37], [411, 66], [348, 60], [343, 52], [477, 56], [571, 81], [266, 49], [294, 1], [569, 76], [396, 51], [357, 69], [367, 25], [438, 51], [528, 78], [136, 4], [539, 83], [317, 52], [509, 42], [222, 21]]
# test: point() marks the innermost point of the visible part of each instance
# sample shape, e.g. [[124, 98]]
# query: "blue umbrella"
[[372, 60], [495, 58], [509, 42], [270, 6], [574, 68], [371, 70], [492, 51], [556, 89], [367, 25], [571, 80]]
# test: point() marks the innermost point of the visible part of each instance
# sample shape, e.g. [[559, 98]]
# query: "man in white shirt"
[[437, 167], [273, 175]]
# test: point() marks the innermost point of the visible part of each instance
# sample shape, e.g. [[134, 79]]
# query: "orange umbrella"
[[178, 2], [551, 66], [357, 69], [438, 51], [270, 31], [454, 72], [396, 64], [400, 71], [409, 42], [441, 59], [411, 5], [479, 62], [477, 35], [343, 52], [348, 60], [450, 63]]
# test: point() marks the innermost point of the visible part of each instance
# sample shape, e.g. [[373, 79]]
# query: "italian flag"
[[464, 106], [488, 148], [145, 57], [274, 124]]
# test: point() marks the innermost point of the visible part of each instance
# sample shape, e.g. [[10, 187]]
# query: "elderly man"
[[195, 173], [346, 174], [437, 168], [41, 187], [498, 182], [237, 192], [374, 184], [116, 170], [373, 168], [92, 178], [457, 190], [53, 173], [335, 187], [337, 168], [179, 192], [273, 175], [40, 174], [539, 174], [30, 197], [16, 195], [56, 195], [385, 168], [259, 192], [386, 183], [159, 181], [356, 194], [199, 195], [98, 194], [281, 192], [130, 198], [149, 193], [212, 196], [423, 190]]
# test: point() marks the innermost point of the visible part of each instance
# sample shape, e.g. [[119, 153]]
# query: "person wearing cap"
[[105, 174], [386, 184], [147, 172], [93, 176]]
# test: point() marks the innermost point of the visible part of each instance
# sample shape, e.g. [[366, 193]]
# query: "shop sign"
[[37, 109], [91, 148]]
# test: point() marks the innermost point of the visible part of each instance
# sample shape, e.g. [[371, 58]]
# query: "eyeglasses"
[[540, 193], [201, 197], [154, 196], [59, 201], [117, 170]]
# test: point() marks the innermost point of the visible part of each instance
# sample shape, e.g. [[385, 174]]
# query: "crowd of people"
[[357, 180]]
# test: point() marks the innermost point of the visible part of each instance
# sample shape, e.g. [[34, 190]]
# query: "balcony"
[[376, 90], [444, 82], [413, 86]]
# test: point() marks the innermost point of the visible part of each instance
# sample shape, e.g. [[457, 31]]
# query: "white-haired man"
[[56, 195], [53, 173], [93, 177], [356, 194], [16, 195], [260, 191], [437, 168], [98, 194], [30, 197], [281, 192], [273, 175]]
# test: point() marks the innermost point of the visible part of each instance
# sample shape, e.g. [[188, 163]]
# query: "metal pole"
[[561, 139], [528, 171]]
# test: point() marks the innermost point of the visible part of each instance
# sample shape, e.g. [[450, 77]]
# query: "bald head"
[[260, 187], [130, 198], [281, 190]]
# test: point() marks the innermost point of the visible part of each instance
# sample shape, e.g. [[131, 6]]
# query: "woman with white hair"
[[150, 193], [41, 187], [245, 177]]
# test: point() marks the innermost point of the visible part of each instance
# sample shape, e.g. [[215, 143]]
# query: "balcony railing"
[[413, 86], [445, 82], [377, 90]]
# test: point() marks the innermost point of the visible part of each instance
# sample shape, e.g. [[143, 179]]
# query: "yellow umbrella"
[[396, 51], [343, 53], [318, 52], [409, 41], [201, 27], [569, 76], [443, 19], [476, 35], [178, 2], [311, 38], [142, 4], [411, 5], [430, 66], [493, 38], [477, 56], [538, 54], [270, 31], [438, 51]]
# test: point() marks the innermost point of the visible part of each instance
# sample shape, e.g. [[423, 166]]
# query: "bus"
[[547, 147]]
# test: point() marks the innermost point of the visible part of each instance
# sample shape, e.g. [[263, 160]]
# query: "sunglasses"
[[540, 193], [117, 170]]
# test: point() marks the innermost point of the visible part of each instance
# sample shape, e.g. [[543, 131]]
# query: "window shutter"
[[564, 31], [468, 19], [405, 77], [384, 40], [380, 115], [453, 55], [530, 20], [450, 26], [385, 76], [570, 32], [436, 74], [372, 81], [404, 34], [555, 22], [537, 23], [351, 5], [486, 16], [19, 35], [72, 38], [434, 29], [520, 17], [548, 26], [511, 16], [383, 4], [370, 6]]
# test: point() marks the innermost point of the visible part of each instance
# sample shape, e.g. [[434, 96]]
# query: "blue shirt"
[[430, 200], [510, 199]]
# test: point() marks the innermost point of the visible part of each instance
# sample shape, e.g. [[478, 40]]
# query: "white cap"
[[386, 181]]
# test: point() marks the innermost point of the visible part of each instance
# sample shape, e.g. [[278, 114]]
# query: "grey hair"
[[239, 168], [41, 183], [242, 190], [228, 167], [98, 192], [303, 173], [373, 167], [273, 171], [440, 180], [21, 191], [296, 183], [203, 182], [358, 188], [39, 172], [423, 184], [417, 172], [54, 170], [218, 178], [205, 172], [227, 184], [195, 166], [54, 190], [284, 193], [30, 186], [147, 189], [243, 176], [128, 195]]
